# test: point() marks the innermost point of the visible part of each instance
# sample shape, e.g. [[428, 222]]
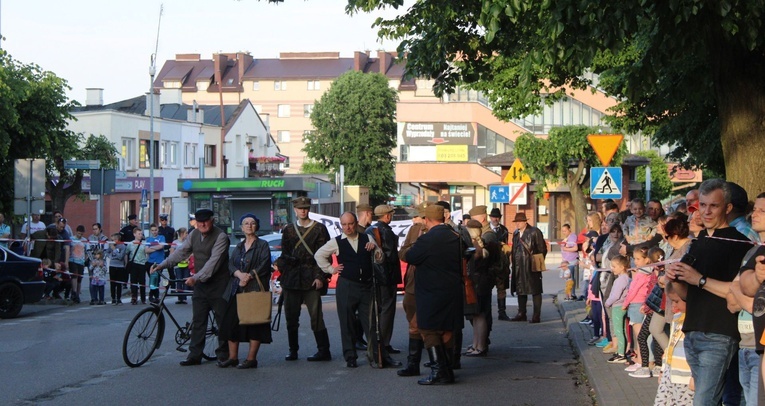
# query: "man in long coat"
[[439, 290], [527, 240]]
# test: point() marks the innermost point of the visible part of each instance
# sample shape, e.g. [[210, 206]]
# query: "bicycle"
[[147, 329]]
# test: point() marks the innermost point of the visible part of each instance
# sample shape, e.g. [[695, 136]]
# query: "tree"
[[33, 124], [564, 156], [312, 167], [689, 73], [355, 122], [661, 185]]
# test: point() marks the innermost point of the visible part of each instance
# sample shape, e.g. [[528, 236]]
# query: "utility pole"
[[151, 151]]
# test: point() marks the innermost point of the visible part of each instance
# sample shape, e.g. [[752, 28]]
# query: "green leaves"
[[355, 123]]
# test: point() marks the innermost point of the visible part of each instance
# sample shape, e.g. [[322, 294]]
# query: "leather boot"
[[455, 362], [438, 372], [519, 317], [322, 344], [292, 337], [413, 359], [501, 313]]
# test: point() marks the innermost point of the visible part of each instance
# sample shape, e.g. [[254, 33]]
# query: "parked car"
[[21, 282]]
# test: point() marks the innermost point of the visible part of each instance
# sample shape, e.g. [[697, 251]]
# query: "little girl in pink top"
[[636, 296]]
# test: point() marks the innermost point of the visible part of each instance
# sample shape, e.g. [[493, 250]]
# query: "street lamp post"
[[152, 72]]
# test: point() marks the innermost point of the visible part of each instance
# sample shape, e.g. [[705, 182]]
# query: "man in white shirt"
[[35, 225]]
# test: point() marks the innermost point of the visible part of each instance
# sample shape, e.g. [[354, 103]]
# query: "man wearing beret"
[[386, 239], [302, 280], [211, 282], [439, 291]]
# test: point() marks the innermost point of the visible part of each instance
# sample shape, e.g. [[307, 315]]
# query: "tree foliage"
[[689, 73], [661, 184], [355, 122], [564, 157], [33, 124]]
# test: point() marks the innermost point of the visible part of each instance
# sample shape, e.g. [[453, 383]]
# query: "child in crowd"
[[565, 274], [97, 278], [117, 272], [655, 254], [636, 296], [77, 261], [156, 252], [137, 257], [619, 265], [51, 277], [675, 382], [599, 332]]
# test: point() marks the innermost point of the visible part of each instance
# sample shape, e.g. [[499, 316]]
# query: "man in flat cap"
[[439, 291], [388, 279], [302, 280], [364, 214], [211, 282]]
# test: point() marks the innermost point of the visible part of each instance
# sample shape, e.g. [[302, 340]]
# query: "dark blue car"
[[21, 282]]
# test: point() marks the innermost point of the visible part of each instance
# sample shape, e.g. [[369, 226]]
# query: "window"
[[283, 136], [403, 155], [314, 85], [190, 155], [256, 85], [307, 110], [283, 110], [239, 148], [165, 152], [143, 154], [171, 84], [210, 155], [128, 153], [280, 85], [202, 85]]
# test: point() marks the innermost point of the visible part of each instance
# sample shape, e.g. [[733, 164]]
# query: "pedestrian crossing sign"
[[605, 183]]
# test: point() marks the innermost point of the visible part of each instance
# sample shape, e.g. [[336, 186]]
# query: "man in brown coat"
[[527, 240]]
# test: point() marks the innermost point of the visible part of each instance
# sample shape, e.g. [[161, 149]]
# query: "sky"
[[108, 44]]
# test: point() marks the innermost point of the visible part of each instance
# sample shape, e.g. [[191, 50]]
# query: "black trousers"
[[201, 304], [293, 301], [138, 280], [387, 312], [351, 297]]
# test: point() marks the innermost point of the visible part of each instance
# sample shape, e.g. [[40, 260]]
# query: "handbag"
[[537, 260], [254, 307]]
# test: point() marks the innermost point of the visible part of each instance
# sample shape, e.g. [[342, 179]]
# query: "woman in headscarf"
[[250, 260]]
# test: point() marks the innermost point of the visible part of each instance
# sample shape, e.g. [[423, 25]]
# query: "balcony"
[[265, 166]]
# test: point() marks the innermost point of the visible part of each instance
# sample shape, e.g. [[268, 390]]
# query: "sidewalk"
[[612, 385]]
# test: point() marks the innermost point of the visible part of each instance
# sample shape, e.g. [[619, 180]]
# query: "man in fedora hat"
[[503, 277], [302, 280], [211, 282], [527, 240], [387, 240]]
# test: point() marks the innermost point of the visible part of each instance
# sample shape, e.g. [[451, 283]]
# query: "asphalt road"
[[71, 355]]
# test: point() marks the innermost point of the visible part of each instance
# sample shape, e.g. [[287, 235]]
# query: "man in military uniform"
[[383, 235], [439, 290], [416, 344], [503, 277], [302, 280]]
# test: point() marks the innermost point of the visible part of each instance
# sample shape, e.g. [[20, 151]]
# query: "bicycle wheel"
[[143, 336], [211, 338]]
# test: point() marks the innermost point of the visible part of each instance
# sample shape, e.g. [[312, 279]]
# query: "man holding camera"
[[702, 278]]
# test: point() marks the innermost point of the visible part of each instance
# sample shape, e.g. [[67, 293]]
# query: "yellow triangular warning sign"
[[605, 145], [517, 174]]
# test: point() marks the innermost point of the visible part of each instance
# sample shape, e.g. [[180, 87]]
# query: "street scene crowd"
[[675, 297]]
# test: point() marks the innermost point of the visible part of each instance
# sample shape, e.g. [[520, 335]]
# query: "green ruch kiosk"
[[268, 198]]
